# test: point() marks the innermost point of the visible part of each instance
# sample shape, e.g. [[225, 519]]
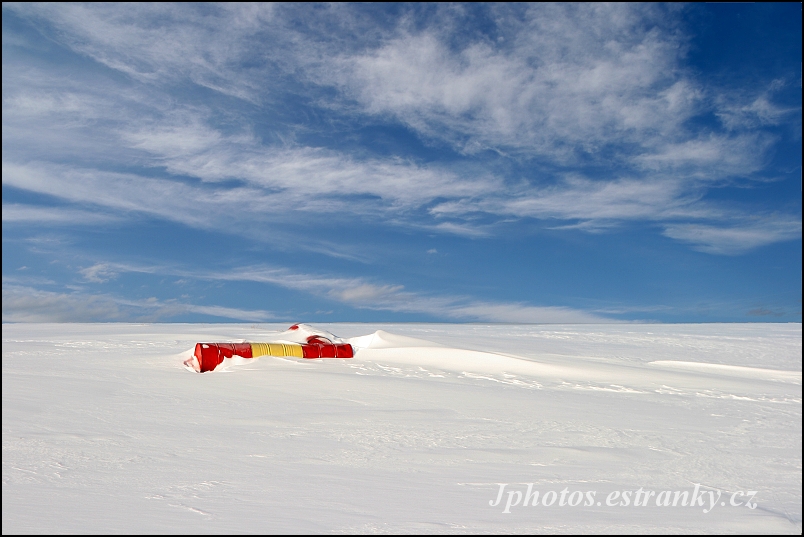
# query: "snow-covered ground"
[[105, 431]]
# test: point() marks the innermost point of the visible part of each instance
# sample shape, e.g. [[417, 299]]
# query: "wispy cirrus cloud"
[[577, 197], [162, 43], [123, 192], [360, 293], [592, 206], [552, 106], [275, 186], [363, 293], [559, 81], [307, 176], [578, 77], [33, 214], [583, 84], [24, 304], [98, 273], [748, 111], [739, 237]]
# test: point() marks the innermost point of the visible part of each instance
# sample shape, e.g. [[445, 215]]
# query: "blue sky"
[[458, 163]]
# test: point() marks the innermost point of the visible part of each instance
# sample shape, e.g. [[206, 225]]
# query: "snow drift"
[[104, 431]]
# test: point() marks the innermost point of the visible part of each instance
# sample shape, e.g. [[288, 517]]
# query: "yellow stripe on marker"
[[276, 349]]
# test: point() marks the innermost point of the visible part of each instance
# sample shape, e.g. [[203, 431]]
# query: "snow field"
[[105, 431]]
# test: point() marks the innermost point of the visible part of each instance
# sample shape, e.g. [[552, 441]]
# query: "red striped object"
[[210, 355]]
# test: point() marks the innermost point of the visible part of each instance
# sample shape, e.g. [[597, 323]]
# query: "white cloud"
[[521, 313], [593, 206], [22, 304], [308, 177], [280, 184], [564, 83], [571, 83], [365, 293], [229, 313], [711, 157], [738, 238], [25, 304], [33, 214], [740, 111], [162, 42], [98, 273], [598, 203], [560, 79], [360, 293], [566, 77], [118, 191]]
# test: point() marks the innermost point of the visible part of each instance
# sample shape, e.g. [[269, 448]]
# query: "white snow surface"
[[104, 430]]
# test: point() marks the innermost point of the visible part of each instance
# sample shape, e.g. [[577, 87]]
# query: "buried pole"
[[208, 356]]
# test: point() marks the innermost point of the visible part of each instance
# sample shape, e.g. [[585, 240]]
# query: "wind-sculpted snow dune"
[[426, 428], [419, 357], [384, 347]]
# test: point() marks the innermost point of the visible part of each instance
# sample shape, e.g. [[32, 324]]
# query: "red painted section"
[[310, 351], [345, 351], [210, 355], [327, 351], [318, 347]]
